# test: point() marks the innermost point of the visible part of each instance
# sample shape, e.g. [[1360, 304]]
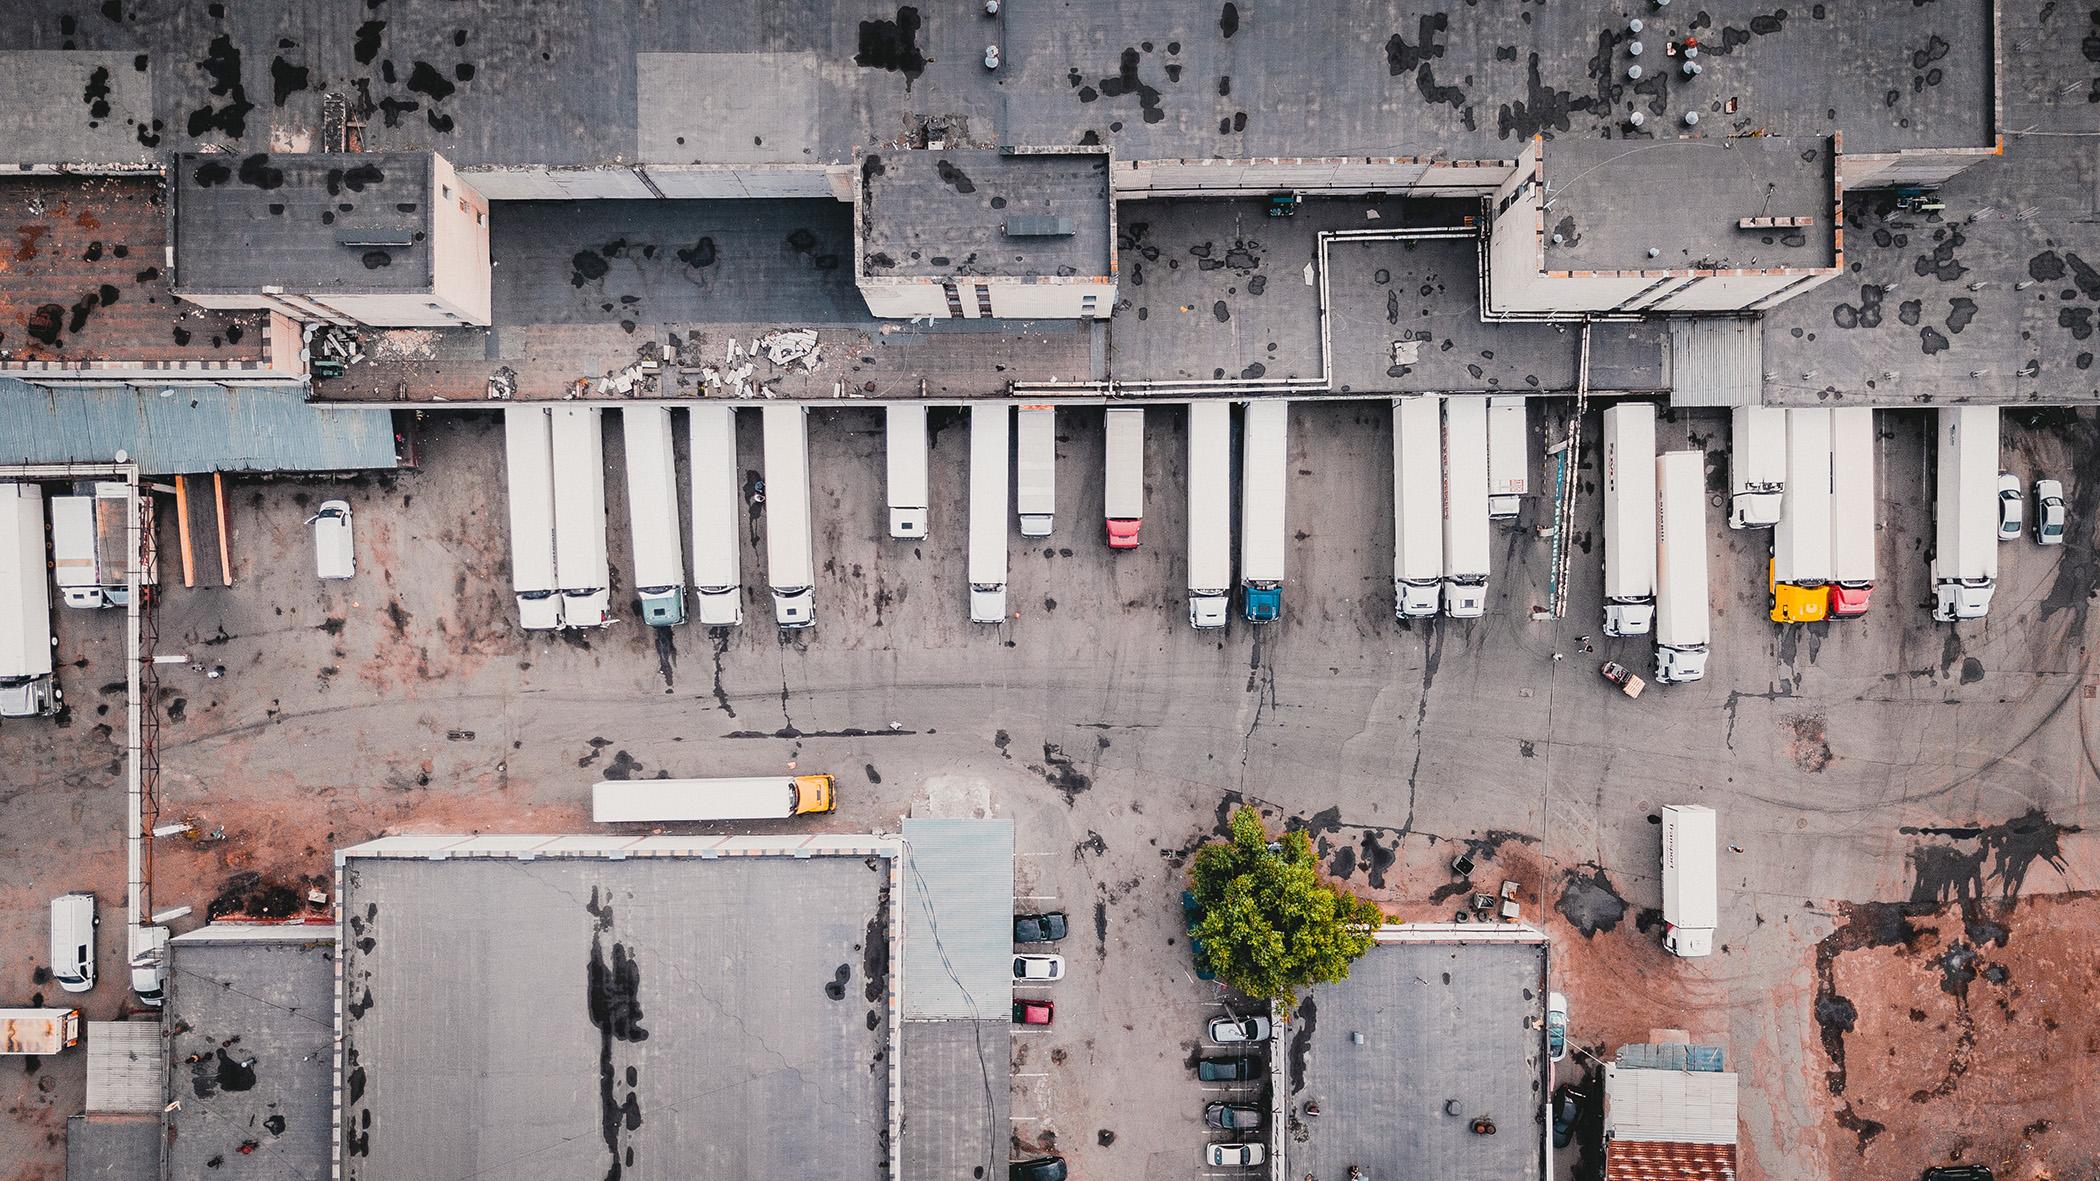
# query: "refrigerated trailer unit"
[[904, 435], [1682, 618], [1801, 566], [1852, 511], [652, 514], [1035, 467], [1210, 512], [1691, 894], [1466, 542], [1756, 467], [1418, 505], [1629, 519], [1264, 452], [1509, 456], [528, 446], [718, 522], [27, 687], [790, 558], [990, 423], [1965, 532], [1123, 480], [659, 801], [579, 517]]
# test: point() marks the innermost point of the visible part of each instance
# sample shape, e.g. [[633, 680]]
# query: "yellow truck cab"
[[1796, 604], [813, 794]]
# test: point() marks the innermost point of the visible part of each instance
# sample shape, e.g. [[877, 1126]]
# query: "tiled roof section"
[[1661, 1160]]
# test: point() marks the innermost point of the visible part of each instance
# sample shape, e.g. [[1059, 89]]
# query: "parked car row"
[[1035, 968], [1249, 1035], [2049, 511]]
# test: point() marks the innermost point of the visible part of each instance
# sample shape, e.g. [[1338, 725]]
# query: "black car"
[[1228, 1070], [1039, 928], [1042, 1168]]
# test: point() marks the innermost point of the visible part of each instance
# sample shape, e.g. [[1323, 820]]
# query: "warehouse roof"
[[190, 428], [971, 211], [354, 224], [958, 919], [1609, 202]]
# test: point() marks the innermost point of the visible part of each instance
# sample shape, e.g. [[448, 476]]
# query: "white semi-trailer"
[[1965, 550], [1629, 519], [1264, 463], [1852, 493], [905, 437], [27, 689], [528, 446], [1682, 618], [990, 424], [1466, 542], [652, 514], [1801, 566], [1418, 505], [791, 565], [1509, 456], [1690, 868], [579, 517], [1756, 467], [659, 801], [1210, 512], [718, 526], [1123, 480], [1035, 466]]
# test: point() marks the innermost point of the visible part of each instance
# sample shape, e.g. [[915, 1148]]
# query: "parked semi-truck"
[[27, 688], [1466, 542], [1801, 567], [1691, 895], [652, 514], [91, 539], [990, 424], [1852, 495], [580, 564], [1965, 535], [1418, 505], [790, 557], [1210, 512], [1756, 467], [1682, 623], [38, 1031], [1509, 456], [1629, 519], [528, 446], [764, 797], [904, 433], [1264, 452], [1123, 483], [718, 522], [1035, 468]]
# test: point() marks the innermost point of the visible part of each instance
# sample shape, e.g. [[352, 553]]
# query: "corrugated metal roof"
[[1671, 1056], [1685, 1107], [958, 914], [197, 428], [1639, 1160], [124, 1066], [1717, 361]]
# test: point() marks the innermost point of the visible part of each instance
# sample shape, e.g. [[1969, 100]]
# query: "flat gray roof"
[[958, 1096], [1441, 1022], [653, 1017], [973, 211], [105, 1147], [353, 224], [1610, 201], [251, 1029]]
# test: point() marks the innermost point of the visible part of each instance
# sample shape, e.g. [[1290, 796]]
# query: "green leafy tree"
[[1270, 925]]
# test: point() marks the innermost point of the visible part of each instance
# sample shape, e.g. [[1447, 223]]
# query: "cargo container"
[[1965, 534], [652, 514], [990, 453], [1682, 616], [904, 435], [764, 797], [1691, 894], [790, 555], [1801, 566], [528, 444], [1756, 467], [27, 687], [1509, 456], [1629, 519], [1466, 542], [580, 564], [718, 518], [1264, 470], [1035, 467], [1418, 505], [1852, 511], [1124, 476], [1210, 513]]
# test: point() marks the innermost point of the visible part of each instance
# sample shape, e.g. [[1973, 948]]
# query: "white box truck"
[[904, 437], [652, 514], [38, 1031], [1035, 467], [1509, 456], [990, 453], [1965, 535], [791, 564], [1629, 519], [528, 446], [27, 688], [1466, 541], [1418, 505], [580, 563], [718, 526], [657, 801], [1801, 566], [1264, 470], [1756, 467], [1852, 513], [91, 539], [1682, 619], [1691, 896], [1123, 478], [1210, 512]]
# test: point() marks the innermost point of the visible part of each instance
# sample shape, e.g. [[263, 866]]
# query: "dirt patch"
[[1806, 743]]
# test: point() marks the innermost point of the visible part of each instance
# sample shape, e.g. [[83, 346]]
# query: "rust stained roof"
[[1666, 1160]]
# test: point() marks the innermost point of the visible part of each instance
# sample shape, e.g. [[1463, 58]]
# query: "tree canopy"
[[1269, 924]]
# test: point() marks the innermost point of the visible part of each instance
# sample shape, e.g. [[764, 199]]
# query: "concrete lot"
[[1850, 763]]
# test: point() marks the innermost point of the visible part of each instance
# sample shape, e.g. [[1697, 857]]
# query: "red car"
[[1033, 1012]]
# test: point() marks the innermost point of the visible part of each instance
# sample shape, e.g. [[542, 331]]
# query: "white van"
[[73, 923], [149, 964], [334, 554]]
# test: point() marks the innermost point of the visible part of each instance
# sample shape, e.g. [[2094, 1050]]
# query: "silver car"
[[2012, 515], [1236, 1154], [2049, 512], [1227, 1030]]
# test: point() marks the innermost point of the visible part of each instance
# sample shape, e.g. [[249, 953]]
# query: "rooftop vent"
[[1040, 225]]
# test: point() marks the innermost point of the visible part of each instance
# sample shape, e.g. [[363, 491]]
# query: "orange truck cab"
[[1797, 604]]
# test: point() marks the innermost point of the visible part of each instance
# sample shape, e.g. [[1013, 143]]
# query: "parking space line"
[[1038, 1074]]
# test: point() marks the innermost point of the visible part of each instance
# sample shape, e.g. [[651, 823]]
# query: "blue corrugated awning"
[[190, 428]]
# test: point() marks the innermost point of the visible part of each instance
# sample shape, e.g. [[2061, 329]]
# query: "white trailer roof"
[[717, 527], [1035, 461], [1629, 501], [1681, 606], [74, 552], [1418, 488], [1691, 897], [528, 449], [1210, 496], [990, 454], [1465, 487], [790, 563], [25, 594], [657, 800], [1264, 473], [1801, 541], [1509, 447], [1757, 454], [1852, 499], [579, 499], [904, 435], [1967, 520], [652, 496], [1124, 478]]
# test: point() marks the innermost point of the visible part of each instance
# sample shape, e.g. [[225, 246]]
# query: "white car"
[[1236, 1154], [2049, 512], [1227, 1030], [1556, 1026], [334, 555], [2011, 511], [1036, 968], [149, 964]]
